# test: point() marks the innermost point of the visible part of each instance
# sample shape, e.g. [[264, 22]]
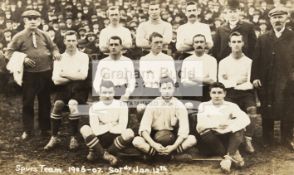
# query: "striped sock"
[[73, 125], [55, 123], [152, 151], [93, 143], [180, 149], [118, 144]]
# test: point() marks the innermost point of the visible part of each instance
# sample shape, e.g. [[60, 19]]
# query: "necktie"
[[34, 39]]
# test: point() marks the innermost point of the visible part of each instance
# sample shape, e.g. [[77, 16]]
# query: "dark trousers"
[[221, 144], [267, 129], [36, 84], [286, 130], [244, 99]]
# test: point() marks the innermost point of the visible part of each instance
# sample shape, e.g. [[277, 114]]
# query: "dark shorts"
[[153, 132], [107, 139], [76, 90], [244, 99]]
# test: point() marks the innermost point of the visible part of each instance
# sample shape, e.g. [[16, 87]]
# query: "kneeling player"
[[221, 127], [108, 126], [164, 128], [72, 89]]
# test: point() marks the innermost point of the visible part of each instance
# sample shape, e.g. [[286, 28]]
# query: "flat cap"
[[31, 13], [278, 11]]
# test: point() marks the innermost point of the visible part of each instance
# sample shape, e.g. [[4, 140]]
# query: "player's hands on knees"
[[29, 62], [256, 83], [158, 147], [168, 149]]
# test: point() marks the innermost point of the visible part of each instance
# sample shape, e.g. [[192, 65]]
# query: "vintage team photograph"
[[131, 87]]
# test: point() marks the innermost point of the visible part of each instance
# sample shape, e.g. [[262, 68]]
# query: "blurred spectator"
[[96, 28], [93, 13], [82, 33], [7, 36]]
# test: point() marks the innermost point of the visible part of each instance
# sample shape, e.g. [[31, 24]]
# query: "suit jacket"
[[221, 47], [273, 64]]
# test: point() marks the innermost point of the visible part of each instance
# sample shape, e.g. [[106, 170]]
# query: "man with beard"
[[154, 24], [191, 28], [198, 72], [272, 74], [235, 73], [72, 89], [114, 29], [108, 126], [39, 52], [165, 114], [221, 48]]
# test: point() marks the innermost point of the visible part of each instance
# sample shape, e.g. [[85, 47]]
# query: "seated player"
[[72, 89], [234, 73], [221, 127], [108, 126], [164, 128]]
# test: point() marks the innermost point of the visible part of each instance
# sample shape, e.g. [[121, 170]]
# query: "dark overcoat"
[[221, 47], [273, 65]]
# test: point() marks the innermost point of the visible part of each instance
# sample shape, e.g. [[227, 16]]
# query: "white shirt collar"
[[153, 55], [77, 51]]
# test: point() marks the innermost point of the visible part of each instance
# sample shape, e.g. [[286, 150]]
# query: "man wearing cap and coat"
[[273, 75], [40, 52]]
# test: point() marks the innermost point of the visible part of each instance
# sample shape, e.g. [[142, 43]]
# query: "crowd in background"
[[88, 18]]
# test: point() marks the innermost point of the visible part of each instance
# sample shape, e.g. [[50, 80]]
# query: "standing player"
[[198, 71], [191, 28], [154, 24], [114, 29], [235, 74], [69, 74], [116, 68], [155, 65]]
